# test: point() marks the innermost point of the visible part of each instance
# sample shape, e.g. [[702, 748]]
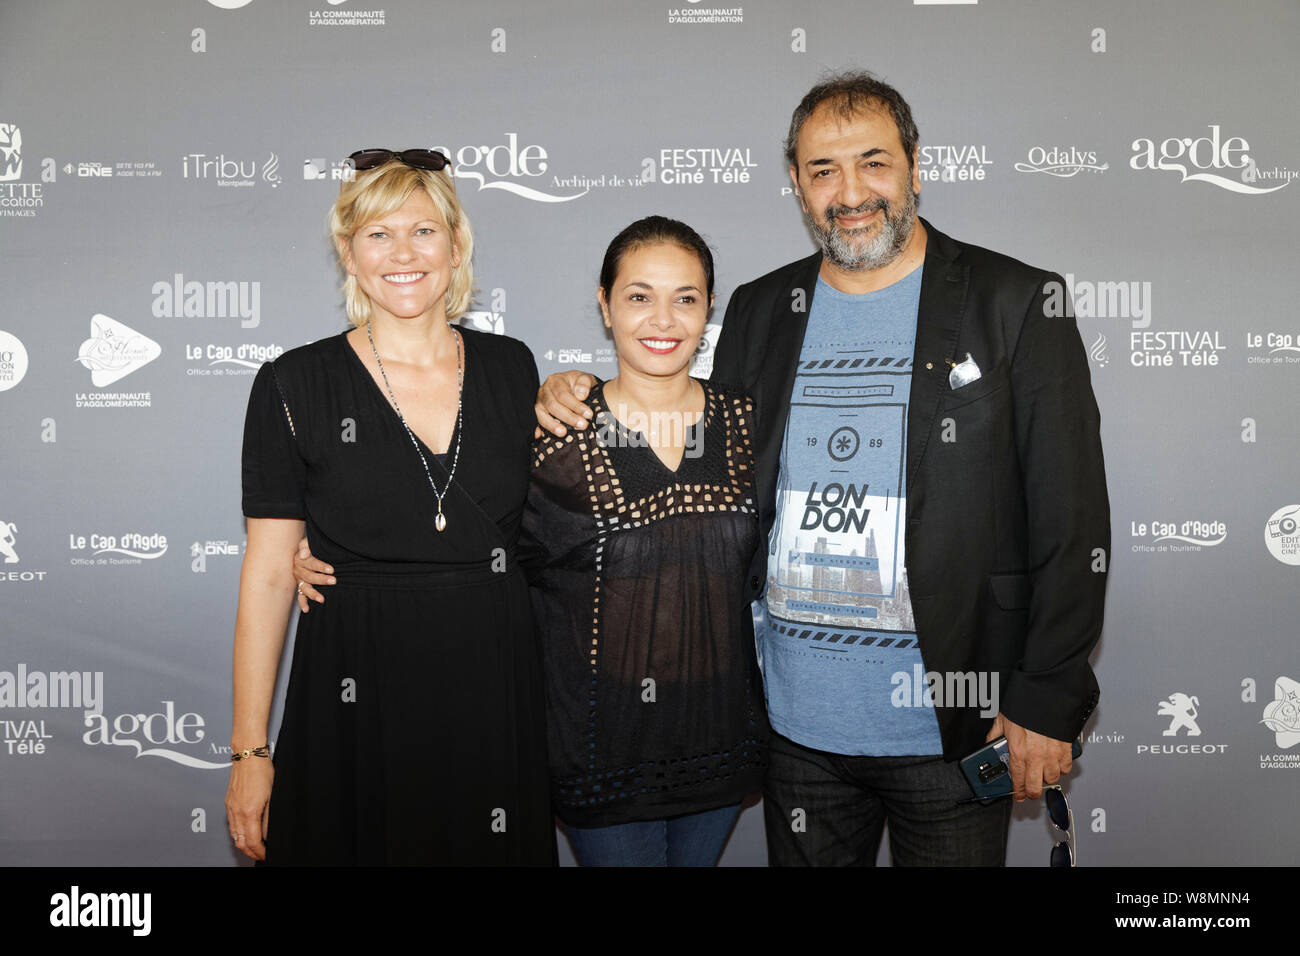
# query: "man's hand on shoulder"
[[1035, 759], [560, 402]]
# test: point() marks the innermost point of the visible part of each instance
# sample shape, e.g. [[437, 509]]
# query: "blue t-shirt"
[[834, 629]]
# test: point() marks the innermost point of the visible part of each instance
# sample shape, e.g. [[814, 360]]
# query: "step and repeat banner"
[[166, 167]]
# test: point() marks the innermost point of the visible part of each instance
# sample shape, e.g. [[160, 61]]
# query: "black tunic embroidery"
[[655, 704]]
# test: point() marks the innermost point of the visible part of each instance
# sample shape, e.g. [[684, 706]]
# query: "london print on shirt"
[[835, 625]]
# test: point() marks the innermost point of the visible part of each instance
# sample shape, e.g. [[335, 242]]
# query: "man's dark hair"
[[648, 232], [850, 93]]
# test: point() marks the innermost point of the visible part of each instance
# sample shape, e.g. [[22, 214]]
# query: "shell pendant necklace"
[[439, 521]]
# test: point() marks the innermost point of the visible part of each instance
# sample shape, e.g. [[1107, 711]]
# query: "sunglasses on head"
[[419, 158]]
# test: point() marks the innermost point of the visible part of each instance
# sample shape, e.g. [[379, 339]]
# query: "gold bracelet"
[[262, 751]]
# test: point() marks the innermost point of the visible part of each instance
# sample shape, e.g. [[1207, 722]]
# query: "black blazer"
[[1008, 521]]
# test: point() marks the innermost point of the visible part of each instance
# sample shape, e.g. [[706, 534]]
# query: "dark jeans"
[[824, 809], [694, 839]]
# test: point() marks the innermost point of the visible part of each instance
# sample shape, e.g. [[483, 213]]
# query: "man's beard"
[[892, 233]]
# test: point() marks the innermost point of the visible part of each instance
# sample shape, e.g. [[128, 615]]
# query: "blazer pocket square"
[[963, 373]]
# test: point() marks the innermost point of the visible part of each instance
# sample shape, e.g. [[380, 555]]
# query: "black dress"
[[654, 700], [413, 729]]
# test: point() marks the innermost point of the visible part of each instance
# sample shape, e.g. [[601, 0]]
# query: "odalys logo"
[[158, 734], [1060, 162]]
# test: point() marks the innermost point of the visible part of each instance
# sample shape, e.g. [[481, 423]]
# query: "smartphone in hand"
[[988, 770]]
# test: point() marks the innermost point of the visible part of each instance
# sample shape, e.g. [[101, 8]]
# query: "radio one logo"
[[568, 356], [122, 169], [13, 360], [89, 170], [224, 171], [114, 350], [201, 551], [1209, 156], [1282, 535], [1061, 163]]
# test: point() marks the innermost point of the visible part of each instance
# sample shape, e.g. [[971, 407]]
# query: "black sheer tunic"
[[654, 701]]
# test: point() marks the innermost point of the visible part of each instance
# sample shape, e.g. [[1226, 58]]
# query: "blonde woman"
[[413, 728], [639, 534]]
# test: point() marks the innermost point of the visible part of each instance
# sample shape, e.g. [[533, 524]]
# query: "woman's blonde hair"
[[376, 193]]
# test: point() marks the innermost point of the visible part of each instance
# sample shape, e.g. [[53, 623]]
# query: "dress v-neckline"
[[643, 442], [383, 399]]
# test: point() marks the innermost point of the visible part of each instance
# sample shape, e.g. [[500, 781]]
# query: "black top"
[[655, 706], [414, 721], [351, 471]]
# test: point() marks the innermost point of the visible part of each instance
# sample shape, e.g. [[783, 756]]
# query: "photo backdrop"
[[165, 171]]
